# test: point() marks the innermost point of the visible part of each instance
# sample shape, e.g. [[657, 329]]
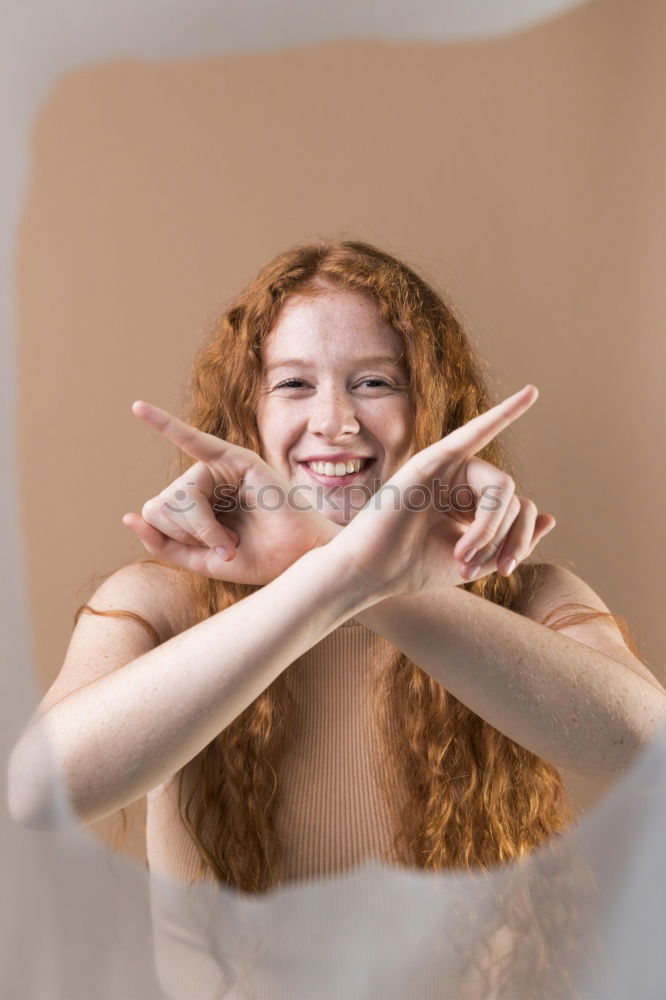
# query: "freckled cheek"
[[393, 429], [282, 427]]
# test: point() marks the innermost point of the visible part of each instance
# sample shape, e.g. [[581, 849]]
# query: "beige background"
[[523, 176]]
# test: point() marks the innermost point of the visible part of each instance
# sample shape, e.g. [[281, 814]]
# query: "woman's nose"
[[333, 415]]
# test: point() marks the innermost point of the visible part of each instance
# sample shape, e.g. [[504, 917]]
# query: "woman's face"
[[334, 395]]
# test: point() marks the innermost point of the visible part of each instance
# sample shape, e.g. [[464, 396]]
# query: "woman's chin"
[[340, 517]]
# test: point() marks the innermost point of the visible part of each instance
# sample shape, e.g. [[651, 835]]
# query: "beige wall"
[[523, 176]]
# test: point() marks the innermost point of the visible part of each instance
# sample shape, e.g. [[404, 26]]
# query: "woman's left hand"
[[183, 525], [407, 539]]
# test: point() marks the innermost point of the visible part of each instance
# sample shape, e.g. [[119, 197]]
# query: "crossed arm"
[[577, 697]]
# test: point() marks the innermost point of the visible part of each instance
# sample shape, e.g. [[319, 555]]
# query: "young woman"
[[309, 671]]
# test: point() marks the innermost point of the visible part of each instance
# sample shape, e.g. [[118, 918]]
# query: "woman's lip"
[[337, 480]]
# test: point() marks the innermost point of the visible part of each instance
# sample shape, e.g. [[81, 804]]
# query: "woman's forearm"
[[567, 702], [570, 704], [127, 732]]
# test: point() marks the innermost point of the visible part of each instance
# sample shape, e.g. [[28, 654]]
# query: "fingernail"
[[222, 552], [475, 569], [510, 566], [470, 555]]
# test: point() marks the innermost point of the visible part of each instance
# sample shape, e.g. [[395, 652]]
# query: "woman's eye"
[[296, 383]]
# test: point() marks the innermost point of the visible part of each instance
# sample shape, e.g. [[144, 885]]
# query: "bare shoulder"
[[156, 593], [165, 590], [554, 586], [561, 599], [136, 608]]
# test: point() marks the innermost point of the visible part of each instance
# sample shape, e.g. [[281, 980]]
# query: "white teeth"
[[337, 468]]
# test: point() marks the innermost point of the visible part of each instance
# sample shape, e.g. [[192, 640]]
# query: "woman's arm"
[[121, 735], [577, 697], [580, 708]]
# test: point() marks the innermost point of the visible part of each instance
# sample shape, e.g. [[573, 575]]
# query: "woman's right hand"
[[405, 542], [213, 505]]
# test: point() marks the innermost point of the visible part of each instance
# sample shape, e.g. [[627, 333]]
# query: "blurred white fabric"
[[80, 922]]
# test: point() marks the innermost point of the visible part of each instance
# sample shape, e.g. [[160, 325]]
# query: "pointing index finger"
[[465, 441], [196, 443]]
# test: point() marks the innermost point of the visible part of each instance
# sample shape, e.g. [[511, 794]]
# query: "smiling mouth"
[[334, 474]]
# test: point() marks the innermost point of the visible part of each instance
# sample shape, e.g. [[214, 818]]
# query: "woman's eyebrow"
[[370, 359]]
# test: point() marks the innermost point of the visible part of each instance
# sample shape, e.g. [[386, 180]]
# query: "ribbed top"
[[331, 814]]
